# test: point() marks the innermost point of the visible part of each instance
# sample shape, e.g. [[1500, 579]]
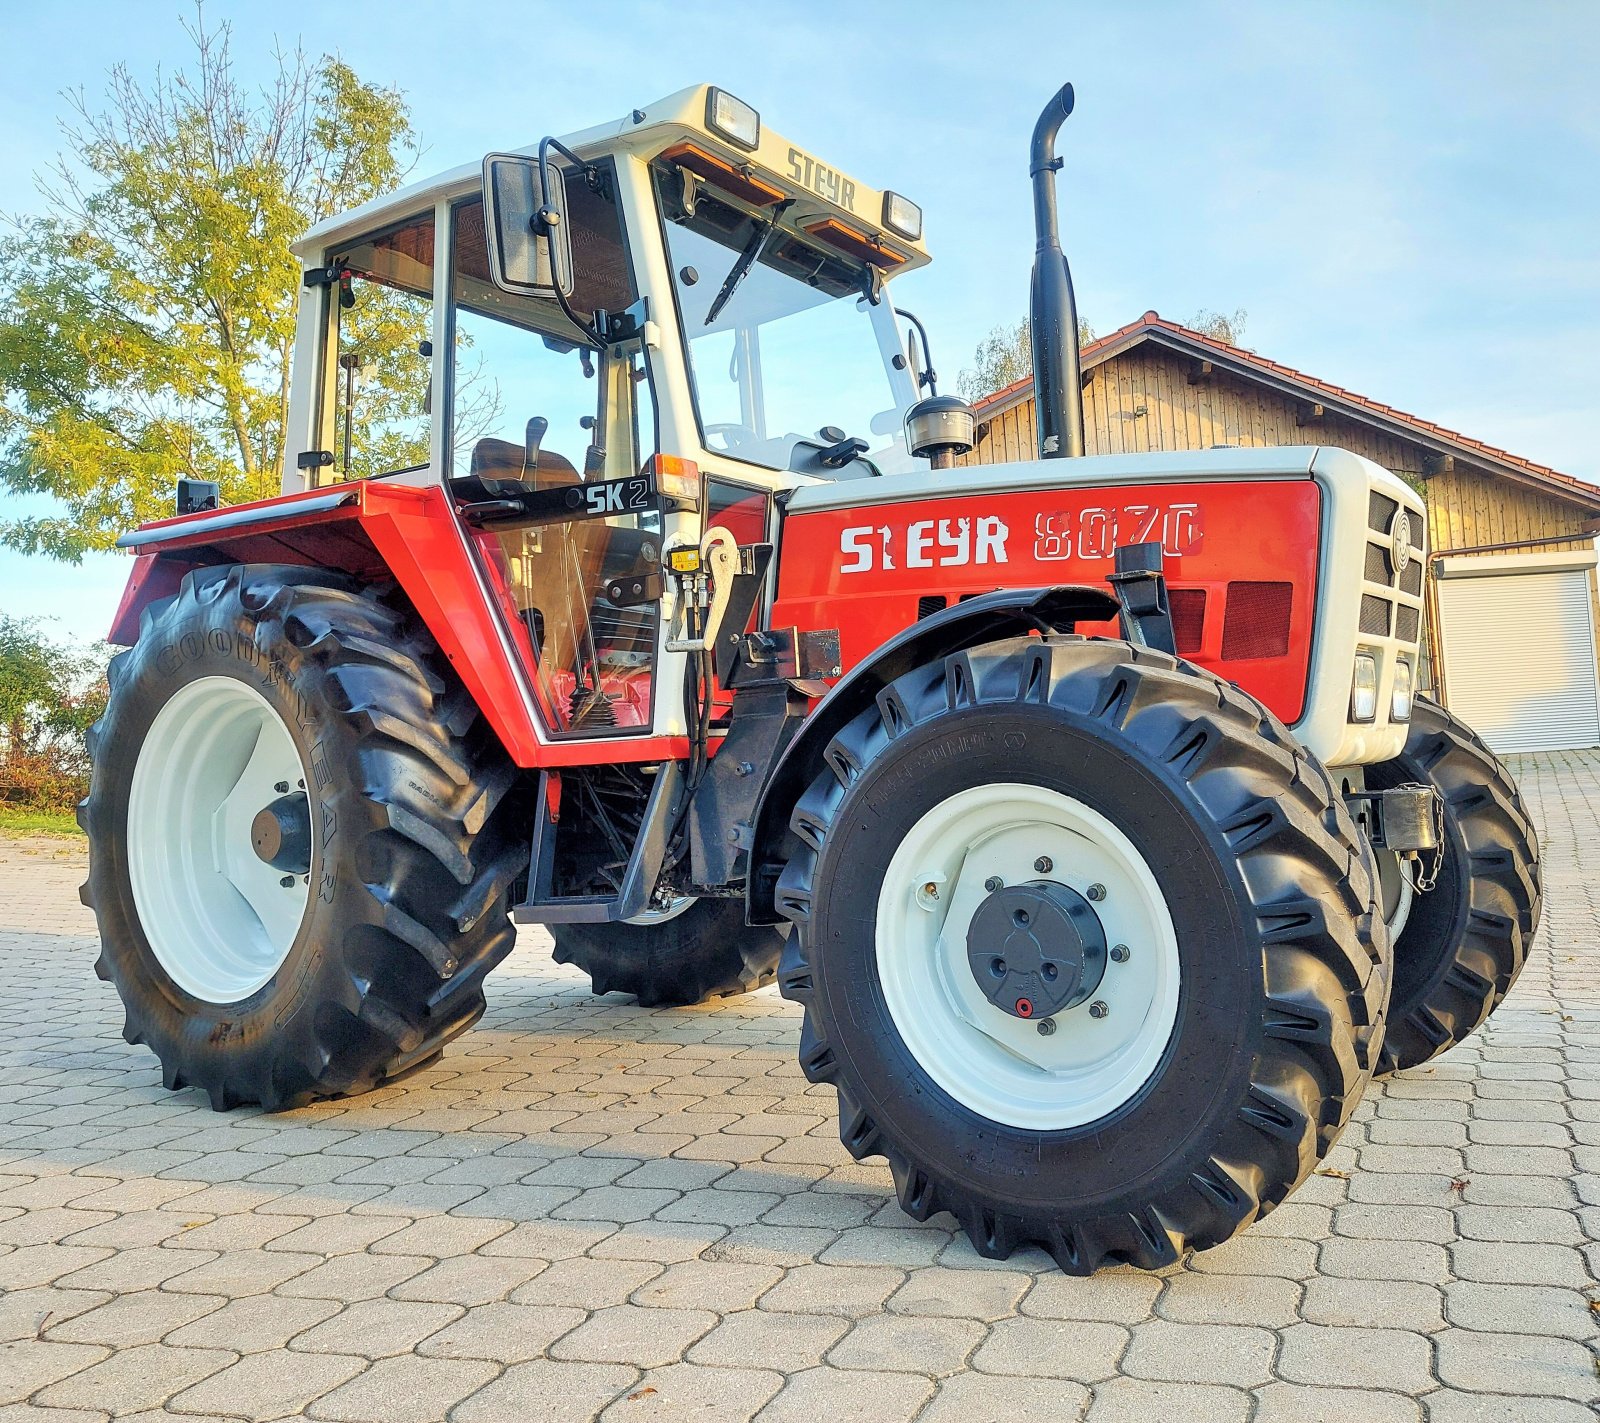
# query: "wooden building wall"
[[1144, 400]]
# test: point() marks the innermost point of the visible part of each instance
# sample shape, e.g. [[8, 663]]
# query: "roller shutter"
[[1519, 658]]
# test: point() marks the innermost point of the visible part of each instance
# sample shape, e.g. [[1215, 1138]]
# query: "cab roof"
[[646, 132]]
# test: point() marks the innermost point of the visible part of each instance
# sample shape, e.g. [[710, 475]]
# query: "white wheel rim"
[[218, 918], [1394, 883], [1000, 1066], [662, 913]]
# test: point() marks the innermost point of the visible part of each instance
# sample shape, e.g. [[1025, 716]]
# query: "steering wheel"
[[734, 436]]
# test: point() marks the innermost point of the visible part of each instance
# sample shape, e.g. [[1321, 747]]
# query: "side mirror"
[[525, 226]]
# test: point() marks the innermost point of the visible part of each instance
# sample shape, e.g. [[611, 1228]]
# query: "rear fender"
[[990, 617], [376, 531]]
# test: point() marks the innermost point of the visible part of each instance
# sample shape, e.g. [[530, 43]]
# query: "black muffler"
[[1053, 313]]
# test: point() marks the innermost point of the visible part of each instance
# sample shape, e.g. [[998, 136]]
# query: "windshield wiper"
[[744, 262]]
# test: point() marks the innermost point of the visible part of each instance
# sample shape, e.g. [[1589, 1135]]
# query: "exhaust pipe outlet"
[[1052, 310]]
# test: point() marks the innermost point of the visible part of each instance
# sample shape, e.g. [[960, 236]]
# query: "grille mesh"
[[1377, 570], [1407, 621], [1411, 579], [1375, 616], [1188, 607], [1380, 509], [929, 604], [1256, 623]]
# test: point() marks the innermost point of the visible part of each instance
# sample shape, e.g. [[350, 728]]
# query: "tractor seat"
[[498, 463]]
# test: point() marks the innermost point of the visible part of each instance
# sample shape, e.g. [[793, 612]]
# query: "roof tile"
[[1152, 321]]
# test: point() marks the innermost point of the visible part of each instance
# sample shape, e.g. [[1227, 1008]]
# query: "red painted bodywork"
[[1213, 534]]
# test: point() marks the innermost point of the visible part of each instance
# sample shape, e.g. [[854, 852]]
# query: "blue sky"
[[1405, 198]]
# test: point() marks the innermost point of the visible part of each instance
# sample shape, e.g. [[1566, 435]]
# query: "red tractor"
[[625, 582]]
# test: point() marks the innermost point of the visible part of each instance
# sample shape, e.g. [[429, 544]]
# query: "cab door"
[[535, 407]]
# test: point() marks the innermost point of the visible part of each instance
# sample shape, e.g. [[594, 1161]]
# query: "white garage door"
[[1519, 658]]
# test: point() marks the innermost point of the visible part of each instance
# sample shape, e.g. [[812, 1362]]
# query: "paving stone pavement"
[[590, 1210]]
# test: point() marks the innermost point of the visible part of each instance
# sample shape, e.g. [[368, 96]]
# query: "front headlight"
[[1404, 688], [1364, 688]]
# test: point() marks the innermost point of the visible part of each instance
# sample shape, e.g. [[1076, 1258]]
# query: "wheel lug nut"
[[1119, 953], [282, 788], [1098, 1008], [287, 882], [993, 883], [1046, 1027], [1097, 891], [931, 890], [1044, 864]]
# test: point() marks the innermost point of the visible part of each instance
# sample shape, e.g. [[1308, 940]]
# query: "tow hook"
[[1404, 819]]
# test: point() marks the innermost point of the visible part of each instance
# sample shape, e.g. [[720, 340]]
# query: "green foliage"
[[1221, 327], [146, 322], [17, 821], [1006, 355], [50, 695]]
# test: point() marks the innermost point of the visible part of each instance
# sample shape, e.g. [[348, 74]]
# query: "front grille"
[[1256, 623], [1384, 613]]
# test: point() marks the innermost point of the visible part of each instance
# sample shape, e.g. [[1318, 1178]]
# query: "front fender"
[[377, 531], [1011, 612]]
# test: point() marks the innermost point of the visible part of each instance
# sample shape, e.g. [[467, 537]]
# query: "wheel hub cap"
[[1036, 949], [281, 835]]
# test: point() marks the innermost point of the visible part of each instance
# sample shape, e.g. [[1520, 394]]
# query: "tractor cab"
[[683, 300]]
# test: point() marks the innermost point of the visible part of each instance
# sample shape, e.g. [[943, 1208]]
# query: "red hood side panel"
[[871, 570]]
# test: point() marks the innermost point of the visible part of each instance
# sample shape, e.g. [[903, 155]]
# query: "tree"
[[1219, 326], [50, 695], [146, 322], [1006, 355]]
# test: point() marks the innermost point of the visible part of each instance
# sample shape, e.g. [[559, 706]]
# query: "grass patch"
[[18, 821]]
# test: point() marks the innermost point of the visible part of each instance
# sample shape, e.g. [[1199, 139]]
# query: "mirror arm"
[[543, 219], [926, 376]]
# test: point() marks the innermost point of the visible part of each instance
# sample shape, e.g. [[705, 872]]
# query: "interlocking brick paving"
[[589, 1209]]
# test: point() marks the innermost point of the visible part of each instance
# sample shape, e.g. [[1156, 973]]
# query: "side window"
[[383, 314], [519, 369]]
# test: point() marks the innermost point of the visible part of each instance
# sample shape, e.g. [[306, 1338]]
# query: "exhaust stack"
[[1053, 313]]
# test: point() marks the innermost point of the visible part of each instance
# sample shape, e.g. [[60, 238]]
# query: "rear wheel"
[[1458, 947], [300, 839], [681, 953], [1087, 945]]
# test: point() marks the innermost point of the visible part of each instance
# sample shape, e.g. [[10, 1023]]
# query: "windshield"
[[791, 348]]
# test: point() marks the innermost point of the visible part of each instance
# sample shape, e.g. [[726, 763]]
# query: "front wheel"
[[1088, 947], [1458, 947]]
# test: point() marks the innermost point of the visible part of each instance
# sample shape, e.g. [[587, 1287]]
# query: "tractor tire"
[[1239, 1010], [362, 949], [1459, 947], [685, 956]]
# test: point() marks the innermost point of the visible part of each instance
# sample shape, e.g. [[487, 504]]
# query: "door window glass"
[[383, 311]]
